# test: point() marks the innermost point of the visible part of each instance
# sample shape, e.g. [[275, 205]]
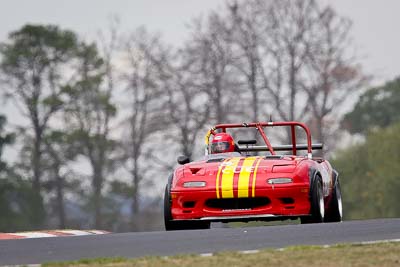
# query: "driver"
[[222, 143]]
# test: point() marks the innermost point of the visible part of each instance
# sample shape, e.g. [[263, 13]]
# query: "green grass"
[[382, 254]]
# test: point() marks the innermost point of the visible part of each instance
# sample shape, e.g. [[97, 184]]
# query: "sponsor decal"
[[237, 173]]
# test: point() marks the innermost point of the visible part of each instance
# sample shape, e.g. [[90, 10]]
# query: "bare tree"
[[245, 22], [58, 154], [188, 107], [146, 115], [301, 51], [88, 116], [286, 34], [210, 47], [333, 75]]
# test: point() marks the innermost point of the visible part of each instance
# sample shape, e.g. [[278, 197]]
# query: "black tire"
[[335, 210], [317, 204], [171, 225]]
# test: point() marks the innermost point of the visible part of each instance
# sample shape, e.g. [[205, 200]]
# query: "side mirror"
[[183, 160]]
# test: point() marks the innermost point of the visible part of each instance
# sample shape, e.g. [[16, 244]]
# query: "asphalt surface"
[[130, 245]]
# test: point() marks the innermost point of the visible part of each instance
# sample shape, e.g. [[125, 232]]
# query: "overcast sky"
[[374, 31]]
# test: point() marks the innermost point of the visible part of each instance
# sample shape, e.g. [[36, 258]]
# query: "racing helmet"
[[222, 143]]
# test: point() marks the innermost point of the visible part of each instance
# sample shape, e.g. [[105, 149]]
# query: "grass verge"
[[381, 254]]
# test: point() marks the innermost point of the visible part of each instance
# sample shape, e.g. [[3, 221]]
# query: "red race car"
[[244, 181]]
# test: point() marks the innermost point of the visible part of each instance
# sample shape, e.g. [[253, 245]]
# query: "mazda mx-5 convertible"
[[253, 179]]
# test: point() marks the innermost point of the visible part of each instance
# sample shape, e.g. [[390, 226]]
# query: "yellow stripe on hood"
[[218, 176], [227, 177], [244, 177]]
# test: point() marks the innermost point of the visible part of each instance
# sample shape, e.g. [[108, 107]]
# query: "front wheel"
[[171, 225], [335, 210], [317, 204]]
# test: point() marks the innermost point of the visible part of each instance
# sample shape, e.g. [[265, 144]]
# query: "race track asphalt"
[[130, 245]]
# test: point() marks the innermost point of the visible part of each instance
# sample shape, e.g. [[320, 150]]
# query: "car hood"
[[232, 177], [211, 168], [236, 164]]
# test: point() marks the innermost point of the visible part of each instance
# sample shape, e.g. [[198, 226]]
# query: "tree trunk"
[[292, 89], [320, 134], [36, 162], [60, 200], [253, 88], [97, 185], [135, 196], [218, 106]]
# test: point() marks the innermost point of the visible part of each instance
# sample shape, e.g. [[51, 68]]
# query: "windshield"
[[222, 156]]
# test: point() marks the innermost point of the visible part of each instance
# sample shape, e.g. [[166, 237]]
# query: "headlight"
[[194, 184], [280, 180]]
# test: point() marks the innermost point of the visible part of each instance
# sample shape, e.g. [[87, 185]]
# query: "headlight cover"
[[280, 181], [194, 184]]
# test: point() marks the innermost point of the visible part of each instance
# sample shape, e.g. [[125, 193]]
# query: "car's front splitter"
[[283, 203]]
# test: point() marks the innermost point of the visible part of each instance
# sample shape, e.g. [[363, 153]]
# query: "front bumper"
[[278, 202]]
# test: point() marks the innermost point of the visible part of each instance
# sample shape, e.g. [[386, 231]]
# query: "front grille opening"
[[189, 204], [287, 200], [237, 203]]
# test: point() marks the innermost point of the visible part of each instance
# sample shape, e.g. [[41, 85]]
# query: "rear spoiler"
[[279, 147]]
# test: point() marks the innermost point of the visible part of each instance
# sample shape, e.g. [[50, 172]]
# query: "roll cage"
[[294, 147]]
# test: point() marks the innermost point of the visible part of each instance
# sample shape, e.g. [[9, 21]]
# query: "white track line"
[[379, 241], [76, 232], [249, 251], [50, 233], [206, 254], [34, 235]]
